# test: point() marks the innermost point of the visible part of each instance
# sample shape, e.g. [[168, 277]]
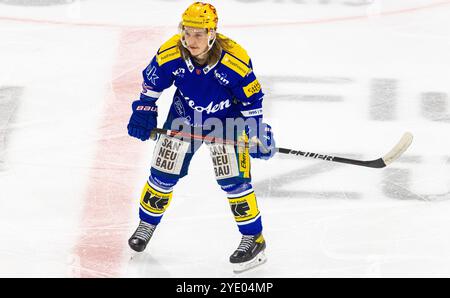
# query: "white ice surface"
[[320, 219]]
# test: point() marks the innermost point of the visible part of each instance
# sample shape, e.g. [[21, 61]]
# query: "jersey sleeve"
[[158, 75], [155, 80], [249, 94]]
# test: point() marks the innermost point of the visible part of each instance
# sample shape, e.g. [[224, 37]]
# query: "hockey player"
[[215, 83]]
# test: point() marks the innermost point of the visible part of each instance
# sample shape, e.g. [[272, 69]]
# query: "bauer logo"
[[147, 108]]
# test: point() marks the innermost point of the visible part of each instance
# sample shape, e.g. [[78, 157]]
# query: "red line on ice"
[[107, 219]]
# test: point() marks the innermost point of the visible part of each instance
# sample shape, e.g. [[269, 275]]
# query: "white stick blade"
[[398, 150]]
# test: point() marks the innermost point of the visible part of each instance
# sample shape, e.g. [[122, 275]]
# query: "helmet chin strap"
[[211, 41]]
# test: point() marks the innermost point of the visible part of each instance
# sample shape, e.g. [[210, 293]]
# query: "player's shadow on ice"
[[277, 186]]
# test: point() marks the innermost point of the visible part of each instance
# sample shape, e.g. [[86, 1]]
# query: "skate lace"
[[246, 243], [145, 231]]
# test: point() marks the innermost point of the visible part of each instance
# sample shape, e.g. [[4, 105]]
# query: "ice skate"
[[249, 254], [141, 236]]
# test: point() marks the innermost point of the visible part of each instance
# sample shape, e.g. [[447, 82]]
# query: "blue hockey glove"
[[143, 119], [262, 134]]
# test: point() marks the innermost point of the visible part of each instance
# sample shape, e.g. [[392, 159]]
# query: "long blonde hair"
[[221, 43]]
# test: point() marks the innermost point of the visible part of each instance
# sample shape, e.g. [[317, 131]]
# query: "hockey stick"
[[382, 162]]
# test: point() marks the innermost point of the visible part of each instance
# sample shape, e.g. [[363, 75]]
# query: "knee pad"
[[231, 164], [171, 157]]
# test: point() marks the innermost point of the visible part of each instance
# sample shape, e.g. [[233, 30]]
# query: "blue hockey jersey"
[[228, 89]]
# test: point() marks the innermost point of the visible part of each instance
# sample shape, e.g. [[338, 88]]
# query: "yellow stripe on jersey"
[[173, 41], [168, 55], [252, 88], [244, 208], [154, 201], [235, 49], [235, 65]]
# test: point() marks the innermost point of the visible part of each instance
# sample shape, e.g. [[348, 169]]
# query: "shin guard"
[[154, 202], [246, 212]]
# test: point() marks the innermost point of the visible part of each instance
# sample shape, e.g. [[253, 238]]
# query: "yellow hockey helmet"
[[200, 15]]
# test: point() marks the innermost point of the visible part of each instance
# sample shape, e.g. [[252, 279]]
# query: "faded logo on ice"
[[9, 101]]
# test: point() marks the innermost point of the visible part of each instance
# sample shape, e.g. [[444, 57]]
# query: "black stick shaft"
[[377, 163]]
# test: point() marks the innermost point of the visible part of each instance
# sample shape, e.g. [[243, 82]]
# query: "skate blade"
[[256, 261]]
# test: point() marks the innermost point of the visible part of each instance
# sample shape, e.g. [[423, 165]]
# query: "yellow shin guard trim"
[[244, 208], [155, 201]]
